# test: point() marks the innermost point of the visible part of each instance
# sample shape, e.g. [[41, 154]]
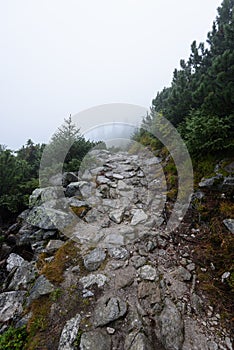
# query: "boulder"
[[11, 305], [41, 287], [194, 339], [228, 184], [14, 260], [23, 275], [138, 341], [42, 195], [48, 218], [69, 333], [211, 182]]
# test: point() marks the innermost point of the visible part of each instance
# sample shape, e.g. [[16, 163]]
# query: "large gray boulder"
[[23, 276], [49, 218], [42, 195]]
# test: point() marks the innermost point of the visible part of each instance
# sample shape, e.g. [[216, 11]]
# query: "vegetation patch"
[[38, 323], [13, 338], [64, 257]]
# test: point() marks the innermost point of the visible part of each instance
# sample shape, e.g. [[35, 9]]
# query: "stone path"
[[140, 287]]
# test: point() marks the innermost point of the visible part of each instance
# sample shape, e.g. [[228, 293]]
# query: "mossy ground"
[[50, 312]]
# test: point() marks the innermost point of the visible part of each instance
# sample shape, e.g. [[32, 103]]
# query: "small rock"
[[118, 253], [92, 279], [229, 223], [87, 293], [75, 269], [191, 267], [228, 343], [138, 261], [181, 274], [116, 216], [147, 272], [94, 259], [212, 345], [53, 245], [139, 216], [212, 266], [225, 275], [110, 330]]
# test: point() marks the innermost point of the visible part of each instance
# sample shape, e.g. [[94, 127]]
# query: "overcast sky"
[[61, 57]]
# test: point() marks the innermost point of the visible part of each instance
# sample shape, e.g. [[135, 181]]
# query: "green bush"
[[207, 134], [13, 339]]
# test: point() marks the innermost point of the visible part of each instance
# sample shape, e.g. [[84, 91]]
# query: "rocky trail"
[[91, 265]]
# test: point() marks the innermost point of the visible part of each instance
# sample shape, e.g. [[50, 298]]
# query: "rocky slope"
[[91, 265]]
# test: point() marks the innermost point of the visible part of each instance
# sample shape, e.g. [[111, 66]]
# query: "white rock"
[[225, 275], [139, 216], [14, 260], [69, 333], [11, 304], [147, 272], [91, 279]]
